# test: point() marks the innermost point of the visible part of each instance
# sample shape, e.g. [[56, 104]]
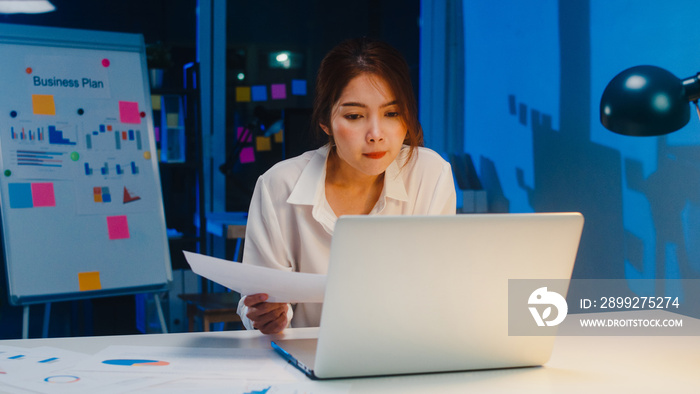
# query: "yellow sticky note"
[[279, 137], [89, 281], [262, 144], [243, 94], [43, 104], [155, 102]]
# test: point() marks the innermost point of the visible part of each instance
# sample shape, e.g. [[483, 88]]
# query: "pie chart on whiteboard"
[[136, 362]]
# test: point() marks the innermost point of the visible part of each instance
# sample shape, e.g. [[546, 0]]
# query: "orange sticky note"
[[89, 281], [43, 104], [243, 94], [262, 144], [279, 137]]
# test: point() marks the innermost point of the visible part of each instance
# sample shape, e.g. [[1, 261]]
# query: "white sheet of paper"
[[280, 286]]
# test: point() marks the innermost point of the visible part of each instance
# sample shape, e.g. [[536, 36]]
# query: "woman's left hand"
[[268, 317]]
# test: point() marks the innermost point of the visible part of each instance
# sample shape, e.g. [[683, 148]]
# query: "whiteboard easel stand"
[[47, 315], [25, 321]]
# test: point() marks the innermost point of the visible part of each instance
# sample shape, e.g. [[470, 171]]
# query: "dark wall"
[[171, 21], [315, 25]]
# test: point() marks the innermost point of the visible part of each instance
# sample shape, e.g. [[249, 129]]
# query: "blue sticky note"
[[20, 195], [259, 92], [298, 87]]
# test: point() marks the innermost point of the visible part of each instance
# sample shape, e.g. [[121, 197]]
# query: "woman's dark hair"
[[353, 58]]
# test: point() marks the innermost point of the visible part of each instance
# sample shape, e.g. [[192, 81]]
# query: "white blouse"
[[290, 223]]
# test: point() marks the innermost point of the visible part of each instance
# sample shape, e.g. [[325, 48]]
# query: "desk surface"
[[578, 364]]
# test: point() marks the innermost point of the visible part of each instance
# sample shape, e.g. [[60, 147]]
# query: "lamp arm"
[[692, 87]]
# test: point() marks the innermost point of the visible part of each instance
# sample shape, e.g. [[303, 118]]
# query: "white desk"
[[578, 364]]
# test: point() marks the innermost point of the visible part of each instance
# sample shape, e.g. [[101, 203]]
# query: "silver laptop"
[[420, 294]]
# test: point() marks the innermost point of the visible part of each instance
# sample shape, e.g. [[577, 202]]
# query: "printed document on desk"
[[280, 286]]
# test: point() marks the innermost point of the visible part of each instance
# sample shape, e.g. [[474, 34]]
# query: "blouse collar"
[[310, 188]]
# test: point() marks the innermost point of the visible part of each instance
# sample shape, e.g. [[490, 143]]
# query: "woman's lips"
[[374, 155]]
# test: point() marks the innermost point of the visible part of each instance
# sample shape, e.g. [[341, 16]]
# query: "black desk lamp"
[[648, 101]]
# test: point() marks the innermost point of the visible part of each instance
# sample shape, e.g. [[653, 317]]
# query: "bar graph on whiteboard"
[[106, 137], [42, 151], [111, 169], [39, 158], [51, 135]]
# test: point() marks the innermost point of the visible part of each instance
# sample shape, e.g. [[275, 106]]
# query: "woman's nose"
[[374, 133]]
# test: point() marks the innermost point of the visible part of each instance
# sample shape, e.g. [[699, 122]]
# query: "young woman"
[[373, 164]]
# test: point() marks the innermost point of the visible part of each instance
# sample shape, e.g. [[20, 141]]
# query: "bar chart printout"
[[56, 137], [37, 158], [22, 134], [39, 134], [39, 151], [110, 138], [112, 169]]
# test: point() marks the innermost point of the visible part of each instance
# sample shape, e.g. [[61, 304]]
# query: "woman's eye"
[[392, 114], [352, 116]]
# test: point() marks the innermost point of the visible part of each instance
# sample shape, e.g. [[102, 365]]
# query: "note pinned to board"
[[263, 144], [244, 135], [89, 281], [243, 94], [259, 93], [279, 91], [298, 87], [155, 102], [279, 137], [43, 104], [20, 195], [43, 194], [118, 227], [247, 155], [280, 286], [129, 112]]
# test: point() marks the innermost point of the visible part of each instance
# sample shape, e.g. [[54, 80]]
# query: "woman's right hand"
[[268, 317]]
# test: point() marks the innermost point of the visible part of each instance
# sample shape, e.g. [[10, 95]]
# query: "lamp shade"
[[25, 6], [645, 101]]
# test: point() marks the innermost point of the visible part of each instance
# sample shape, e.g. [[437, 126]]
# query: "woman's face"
[[367, 126]]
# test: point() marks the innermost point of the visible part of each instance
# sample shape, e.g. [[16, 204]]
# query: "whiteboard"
[[81, 203]]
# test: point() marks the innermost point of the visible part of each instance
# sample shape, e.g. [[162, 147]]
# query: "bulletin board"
[[81, 203]]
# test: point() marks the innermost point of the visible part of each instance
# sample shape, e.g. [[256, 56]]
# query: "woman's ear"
[[325, 129]]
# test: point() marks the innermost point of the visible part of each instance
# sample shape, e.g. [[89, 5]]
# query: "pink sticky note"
[[278, 91], [118, 227], [43, 195], [247, 155], [129, 112], [242, 133]]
